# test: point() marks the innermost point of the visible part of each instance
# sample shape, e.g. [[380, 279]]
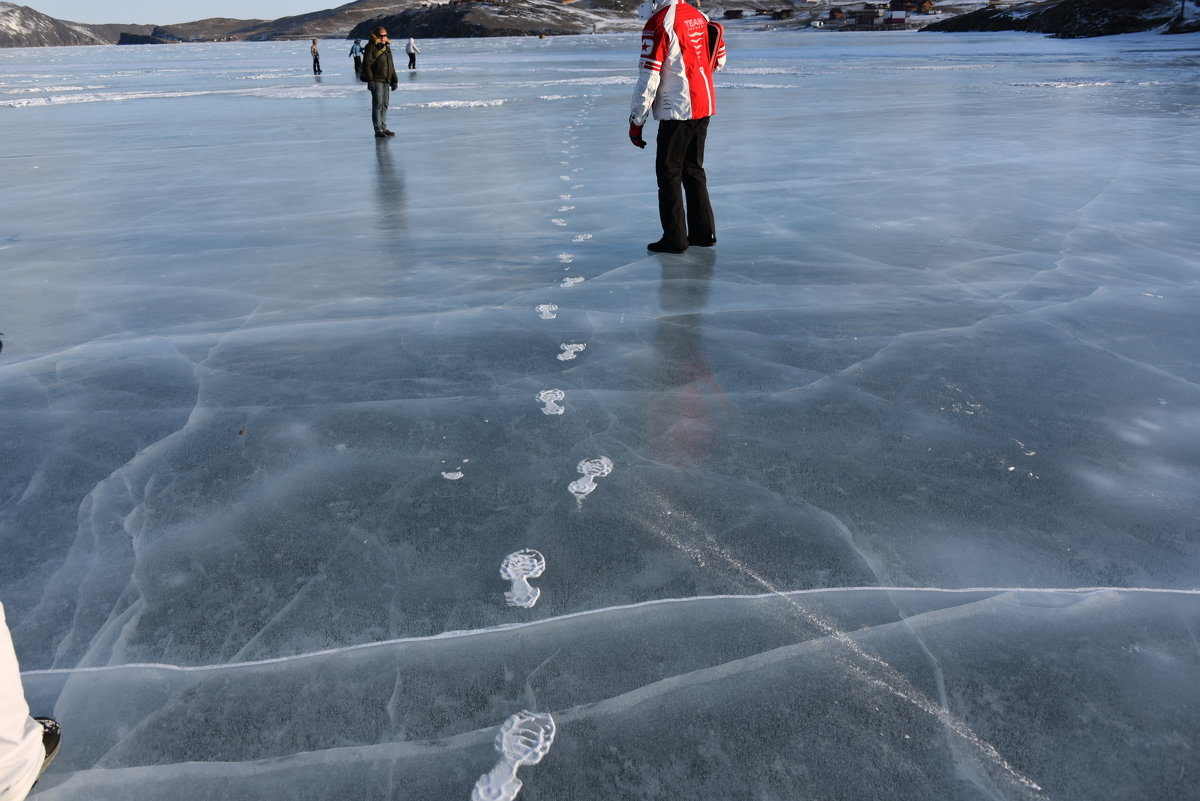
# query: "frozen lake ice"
[[893, 494]]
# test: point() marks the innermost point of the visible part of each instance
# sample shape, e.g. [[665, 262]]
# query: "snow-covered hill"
[[21, 26]]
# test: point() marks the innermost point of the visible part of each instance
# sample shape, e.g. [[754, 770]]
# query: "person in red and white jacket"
[[681, 49]]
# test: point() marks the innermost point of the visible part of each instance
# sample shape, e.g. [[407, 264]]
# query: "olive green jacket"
[[377, 64]]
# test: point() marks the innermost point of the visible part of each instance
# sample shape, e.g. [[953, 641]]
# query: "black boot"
[[663, 246]]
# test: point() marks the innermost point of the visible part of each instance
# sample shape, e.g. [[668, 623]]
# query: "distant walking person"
[[316, 58], [380, 74], [412, 50], [681, 49], [356, 53], [27, 745]]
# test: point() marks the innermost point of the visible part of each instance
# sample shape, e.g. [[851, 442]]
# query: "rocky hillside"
[[1188, 20], [1068, 19], [21, 26], [503, 18], [333, 23]]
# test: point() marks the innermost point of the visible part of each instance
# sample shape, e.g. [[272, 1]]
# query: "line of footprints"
[[525, 738]]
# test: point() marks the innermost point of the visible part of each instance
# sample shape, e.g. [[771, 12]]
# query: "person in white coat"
[[412, 50], [27, 744]]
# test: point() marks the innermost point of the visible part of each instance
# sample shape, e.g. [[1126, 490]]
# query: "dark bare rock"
[[140, 39], [1067, 19]]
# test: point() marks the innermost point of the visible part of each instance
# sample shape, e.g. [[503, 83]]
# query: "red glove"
[[635, 135]]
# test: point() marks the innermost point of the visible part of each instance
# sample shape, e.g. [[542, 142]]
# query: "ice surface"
[[907, 496]]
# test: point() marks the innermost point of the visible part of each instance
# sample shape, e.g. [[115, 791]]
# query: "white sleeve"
[[644, 91]]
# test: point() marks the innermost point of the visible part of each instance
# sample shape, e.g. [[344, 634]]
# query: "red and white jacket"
[[675, 75]]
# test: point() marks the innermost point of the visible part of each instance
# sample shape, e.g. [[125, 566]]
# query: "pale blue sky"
[[162, 12]]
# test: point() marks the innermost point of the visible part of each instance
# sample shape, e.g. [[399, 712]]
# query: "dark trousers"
[[358, 66], [412, 61], [316, 65], [679, 166]]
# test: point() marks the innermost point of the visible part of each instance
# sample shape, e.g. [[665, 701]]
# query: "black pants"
[[679, 165], [316, 65], [412, 61]]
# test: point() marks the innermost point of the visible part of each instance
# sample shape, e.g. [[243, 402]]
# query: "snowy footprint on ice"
[[524, 739], [569, 351], [519, 567], [547, 311], [592, 469], [453, 475], [551, 397]]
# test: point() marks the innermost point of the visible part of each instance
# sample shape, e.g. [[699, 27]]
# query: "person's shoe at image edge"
[[51, 740]]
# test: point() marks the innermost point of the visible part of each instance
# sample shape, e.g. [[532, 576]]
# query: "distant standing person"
[[412, 50], [681, 50], [380, 74], [356, 53], [316, 58], [27, 745]]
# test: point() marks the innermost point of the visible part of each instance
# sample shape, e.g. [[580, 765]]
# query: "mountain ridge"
[[23, 26], [1077, 19]]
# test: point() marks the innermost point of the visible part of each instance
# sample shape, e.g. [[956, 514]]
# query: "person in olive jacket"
[[380, 74]]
